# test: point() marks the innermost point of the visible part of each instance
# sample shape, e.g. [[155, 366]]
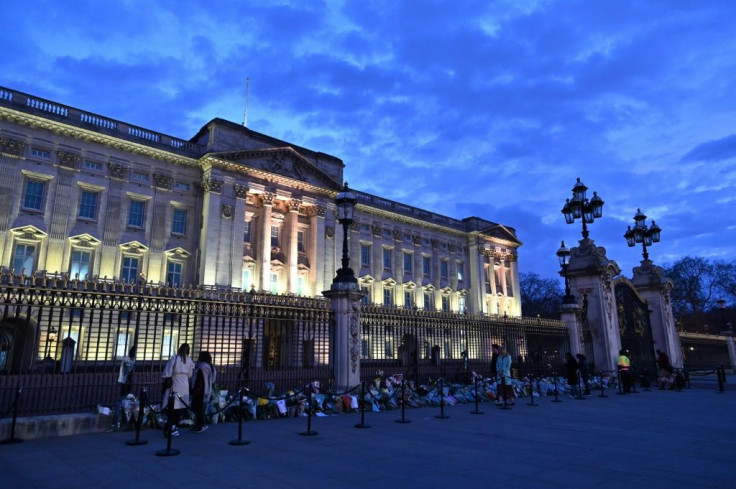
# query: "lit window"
[[300, 241], [509, 284], [246, 232], [179, 221], [460, 272], [365, 300], [387, 259], [445, 303], [274, 236], [181, 186], [300, 286], [24, 258], [365, 255], [246, 279], [173, 274], [136, 212], [92, 165], [426, 266], [408, 262], [40, 153], [33, 198], [274, 283], [139, 177], [122, 347], [461, 304], [387, 297], [443, 269], [168, 345], [88, 205], [129, 270], [79, 264], [407, 299], [428, 301]]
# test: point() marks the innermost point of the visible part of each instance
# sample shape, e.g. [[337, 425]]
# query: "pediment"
[[501, 232], [29, 232], [135, 247], [389, 282], [178, 252], [284, 161], [84, 240], [410, 285], [366, 279]]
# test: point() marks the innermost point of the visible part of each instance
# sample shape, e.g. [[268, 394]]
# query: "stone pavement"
[[656, 439]]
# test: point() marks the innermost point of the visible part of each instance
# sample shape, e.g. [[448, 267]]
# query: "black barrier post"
[[168, 451], [603, 392], [362, 407], [531, 392], [620, 382], [403, 404], [310, 407], [632, 379], [240, 441], [442, 400], [477, 396], [12, 439], [554, 374], [142, 401], [719, 375]]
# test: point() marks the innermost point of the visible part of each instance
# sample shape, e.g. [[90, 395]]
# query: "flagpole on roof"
[[245, 113]]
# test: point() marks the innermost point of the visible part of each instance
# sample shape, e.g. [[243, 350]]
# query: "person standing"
[[503, 368], [666, 371], [125, 381], [494, 369], [179, 368], [624, 369], [202, 380], [584, 371], [571, 369]]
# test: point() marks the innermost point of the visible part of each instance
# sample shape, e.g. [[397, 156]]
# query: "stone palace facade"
[[87, 196]]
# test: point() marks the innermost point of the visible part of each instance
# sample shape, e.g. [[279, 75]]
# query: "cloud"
[[717, 150]]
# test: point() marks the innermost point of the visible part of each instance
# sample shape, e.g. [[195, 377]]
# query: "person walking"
[[666, 372], [584, 372], [179, 368], [571, 369], [503, 368], [125, 381], [624, 369], [202, 380]]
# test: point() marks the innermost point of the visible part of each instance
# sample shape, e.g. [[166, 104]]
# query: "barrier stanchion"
[[620, 390], [556, 399], [142, 401], [442, 414], [603, 392], [531, 392], [477, 396], [12, 439], [632, 378], [403, 419], [239, 441], [310, 408], [719, 374], [168, 451], [362, 406]]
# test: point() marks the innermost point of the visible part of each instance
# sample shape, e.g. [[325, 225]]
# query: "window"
[[129, 271], [246, 279], [121, 349], [91, 165], [509, 284], [246, 232], [24, 258], [428, 301], [300, 286], [445, 303], [300, 242], [461, 305], [173, 274], [138, 176], [181, 186], [79, 264], [444, 269], [365, 255], [365, 300], [179, 221], [387, 297], [407, 299], [41, 153], [387, 259], [168, 345], [33, 198], [88, 205], [274, 236], [407, 262], [426, 266], [136, 212], [499, 286], [274, 283], [460, 272]]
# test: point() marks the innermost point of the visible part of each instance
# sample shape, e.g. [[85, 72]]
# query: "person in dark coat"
[[584, 371], [571, 369]]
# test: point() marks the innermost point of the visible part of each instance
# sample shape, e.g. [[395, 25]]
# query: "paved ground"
[[656, 439]]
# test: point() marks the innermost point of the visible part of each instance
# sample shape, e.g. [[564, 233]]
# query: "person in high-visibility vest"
[[624, 367]]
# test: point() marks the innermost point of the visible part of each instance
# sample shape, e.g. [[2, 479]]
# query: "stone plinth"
[[345, 297]]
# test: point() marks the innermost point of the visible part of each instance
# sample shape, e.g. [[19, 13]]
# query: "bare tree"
[[540, 296]]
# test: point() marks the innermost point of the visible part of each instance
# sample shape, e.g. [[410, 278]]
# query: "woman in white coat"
[[179, 368]]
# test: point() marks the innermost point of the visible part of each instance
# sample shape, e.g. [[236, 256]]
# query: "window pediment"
[[133, 248], [30, 233], [84, 240], [178, 252], [366, 280]]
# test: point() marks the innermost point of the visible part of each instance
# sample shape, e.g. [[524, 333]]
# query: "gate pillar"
[[655, 288], [591, 273], [345, 347], [569, 313]]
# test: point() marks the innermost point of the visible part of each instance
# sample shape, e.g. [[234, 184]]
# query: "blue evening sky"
[[485, 108]]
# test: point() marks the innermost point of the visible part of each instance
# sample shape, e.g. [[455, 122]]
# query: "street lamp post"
[[580, 207], [563, 254], [345, 201], [722, 306], [641, 233], [50, 338]]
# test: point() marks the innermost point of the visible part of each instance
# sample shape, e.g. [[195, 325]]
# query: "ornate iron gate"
[[635, 326]]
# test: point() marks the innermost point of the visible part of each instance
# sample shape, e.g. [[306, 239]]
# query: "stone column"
[[591, 272], [265, 244], [236, 271], [569, 314], [210, 234], [61, 210], [654, 287], [292, 246], [112, 224], [345, 299], [731, 352], [476, 275], [317, 243]]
